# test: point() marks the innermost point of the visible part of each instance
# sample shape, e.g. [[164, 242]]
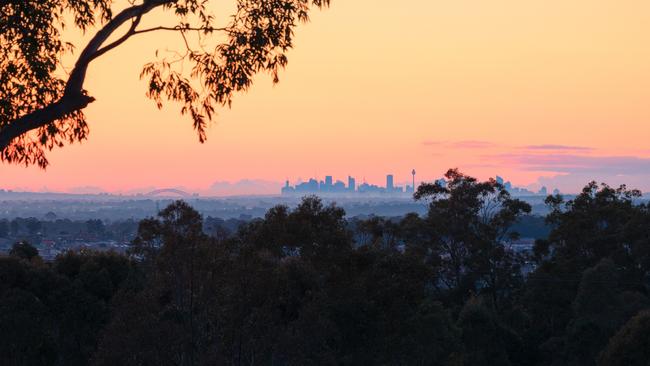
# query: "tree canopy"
[[305, 285], [41, 107]]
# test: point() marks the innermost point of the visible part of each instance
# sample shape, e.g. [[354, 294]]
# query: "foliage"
[[52, 314], [303, 286], [592, 274], [23, 250], [631, 344], [42, 108], [469, 226]]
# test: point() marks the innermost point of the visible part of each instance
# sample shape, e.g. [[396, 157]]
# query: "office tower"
[[352, 184], [389, 183], [326, 186]]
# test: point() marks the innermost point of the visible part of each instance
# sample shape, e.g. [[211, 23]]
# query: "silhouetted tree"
[[631, 344], [295, 288], [4, 228], [42, 108], [486, 341], [469, 225], [601, 306], [95, 227], [33, 225], [14, 227], [23, 250], [25, 338], [600, 222], [52, 313], [592, 273]]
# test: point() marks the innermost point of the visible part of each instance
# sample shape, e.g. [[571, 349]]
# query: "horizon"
[[261, 188]]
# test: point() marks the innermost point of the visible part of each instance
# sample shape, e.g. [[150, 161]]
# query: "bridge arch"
[[168, 191]]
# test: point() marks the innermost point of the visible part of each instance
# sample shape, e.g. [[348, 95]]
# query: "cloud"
[[572, 183], [574, 163], [480, 144], [473, 144], [466, 144], [558, 147]]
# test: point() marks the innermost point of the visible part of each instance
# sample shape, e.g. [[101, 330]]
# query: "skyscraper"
[[327, 185], [352, 184], [389, 183]]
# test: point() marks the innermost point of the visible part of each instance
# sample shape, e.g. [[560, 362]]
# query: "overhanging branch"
[[180, 29], [74, 97]]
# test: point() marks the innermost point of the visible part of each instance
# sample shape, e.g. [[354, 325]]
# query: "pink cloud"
[[465, 144]]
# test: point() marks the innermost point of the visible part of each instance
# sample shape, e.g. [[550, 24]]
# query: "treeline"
[[298, 287], [34, 230]]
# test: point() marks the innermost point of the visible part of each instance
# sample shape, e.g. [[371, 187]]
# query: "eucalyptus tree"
[[470, 224], [41, 107]]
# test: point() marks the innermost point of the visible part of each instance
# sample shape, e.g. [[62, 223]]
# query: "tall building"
[[413, 186], [326, 186], [389, 183], [352, 184]]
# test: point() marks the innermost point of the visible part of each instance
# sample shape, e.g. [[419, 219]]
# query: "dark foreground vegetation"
[[300, 288]]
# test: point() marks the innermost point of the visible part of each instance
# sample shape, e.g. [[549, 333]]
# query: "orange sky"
[[378, 86]]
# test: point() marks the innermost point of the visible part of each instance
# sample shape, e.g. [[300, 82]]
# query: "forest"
[[301, 287]]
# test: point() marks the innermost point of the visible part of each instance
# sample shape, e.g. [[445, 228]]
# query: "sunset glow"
[[540, 92]]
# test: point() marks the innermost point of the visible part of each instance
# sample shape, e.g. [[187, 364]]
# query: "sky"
[[552, 92]]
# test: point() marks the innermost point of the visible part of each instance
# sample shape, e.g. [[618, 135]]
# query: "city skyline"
[[329, 186]]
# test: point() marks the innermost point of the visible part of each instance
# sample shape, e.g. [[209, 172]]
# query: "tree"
[[15, 227], [631, 345], [23, 338], [95, 227], [23, 250], [52, 312], [40, 108], [33, 225], [486, 341], [175, 254], [4, 228], [591, 275], [469, 224], [601, 306], [600, 222]]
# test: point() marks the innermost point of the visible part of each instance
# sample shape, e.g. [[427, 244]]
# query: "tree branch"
[[41, 117], [78, 75], [180, 29], [74, 97], [119, 41]]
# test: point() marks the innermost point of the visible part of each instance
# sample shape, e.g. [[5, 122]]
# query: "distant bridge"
[[167, 192]]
